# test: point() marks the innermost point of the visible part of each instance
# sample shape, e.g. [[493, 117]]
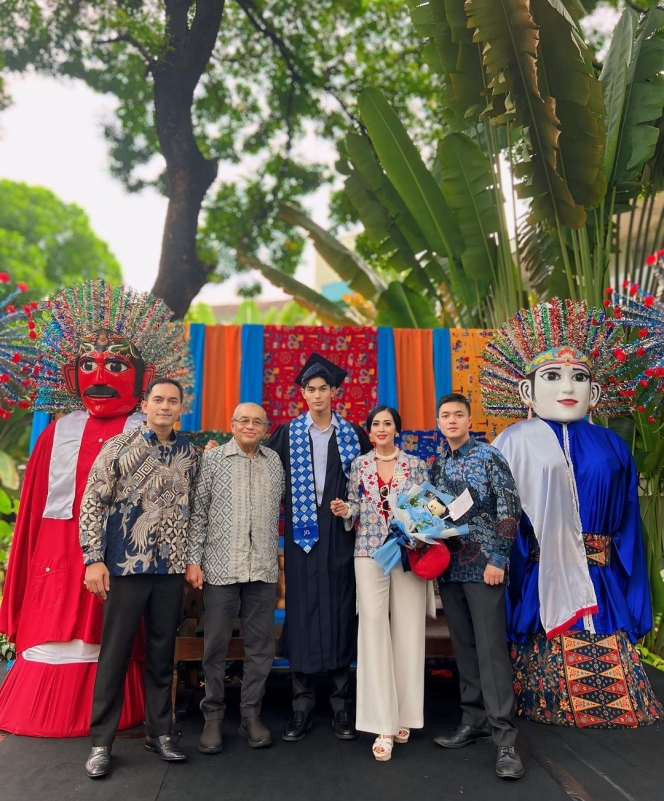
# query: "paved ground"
[[561, 764]]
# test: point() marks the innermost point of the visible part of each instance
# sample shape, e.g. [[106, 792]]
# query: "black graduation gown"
[[320, 632]]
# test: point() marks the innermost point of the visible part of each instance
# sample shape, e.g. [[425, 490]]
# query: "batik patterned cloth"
[[287, 349], [234, 524], [467, 346], [585, 680], [426, 445], [493, 518], [136, 507]]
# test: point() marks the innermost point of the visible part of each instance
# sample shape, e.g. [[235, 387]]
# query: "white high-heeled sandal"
[[404, 734], [386, 745]]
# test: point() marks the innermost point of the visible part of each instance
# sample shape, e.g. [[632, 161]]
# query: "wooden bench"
[[189, 645]]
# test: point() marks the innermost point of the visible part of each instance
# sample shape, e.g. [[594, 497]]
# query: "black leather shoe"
[[464, 735], [254, 732], [166, 748], [297, 727], [343, 728], [98, 763], [508, 763], [211, 738]]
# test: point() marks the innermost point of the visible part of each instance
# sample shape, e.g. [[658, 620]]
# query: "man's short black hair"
[[393, 412], [317, 371], [156, 381], [453, 397]]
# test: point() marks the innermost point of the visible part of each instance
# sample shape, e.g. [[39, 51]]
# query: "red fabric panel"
[[287, 349]]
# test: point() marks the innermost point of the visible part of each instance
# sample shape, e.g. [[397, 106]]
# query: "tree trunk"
[[181, 273]]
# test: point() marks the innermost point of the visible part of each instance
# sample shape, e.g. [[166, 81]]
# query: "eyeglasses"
[[385, 497], [243, 422]]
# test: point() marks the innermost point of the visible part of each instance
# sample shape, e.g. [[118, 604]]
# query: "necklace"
[[389, 458]]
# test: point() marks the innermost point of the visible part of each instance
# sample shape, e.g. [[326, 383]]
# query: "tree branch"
[[203, 34], [128, 39], [254, 16]]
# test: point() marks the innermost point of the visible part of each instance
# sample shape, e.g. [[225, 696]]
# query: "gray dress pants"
[[475, 613], [257, 599]]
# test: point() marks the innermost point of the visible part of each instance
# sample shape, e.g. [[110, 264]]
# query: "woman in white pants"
[[392, 609]]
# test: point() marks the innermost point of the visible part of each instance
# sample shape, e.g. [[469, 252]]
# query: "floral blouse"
[[365, 501]]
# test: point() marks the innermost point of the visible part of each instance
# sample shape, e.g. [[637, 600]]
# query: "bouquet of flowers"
[[422, 514]]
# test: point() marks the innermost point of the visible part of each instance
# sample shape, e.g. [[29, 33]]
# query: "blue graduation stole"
[[303, 487]]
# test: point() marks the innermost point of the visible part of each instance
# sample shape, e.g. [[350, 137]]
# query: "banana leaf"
[[451, 52], [386, 232], [541, 260], [407, 172], [614, 82], [566, 72], [401, 307], [345, 263], [644, 101], [364, 160], [385, 216], [328, 312], [510, 37], [9, 477], [466, 181]]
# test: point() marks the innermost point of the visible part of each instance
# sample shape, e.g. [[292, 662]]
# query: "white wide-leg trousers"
[[390, 649]]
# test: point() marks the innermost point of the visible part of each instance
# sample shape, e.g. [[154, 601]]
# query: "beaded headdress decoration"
[[555, 330], [18, 356], [640, 360], [94, 305]]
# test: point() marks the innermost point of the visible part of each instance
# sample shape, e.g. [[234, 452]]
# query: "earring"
[[530, 410], [591, 406]]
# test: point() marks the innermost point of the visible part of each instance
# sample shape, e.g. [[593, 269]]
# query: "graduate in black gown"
[[320, 632]]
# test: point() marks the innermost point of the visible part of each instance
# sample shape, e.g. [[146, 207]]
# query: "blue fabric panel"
[[442, 362], [251, 370], [191, 421], [40, 421], [387, 369]]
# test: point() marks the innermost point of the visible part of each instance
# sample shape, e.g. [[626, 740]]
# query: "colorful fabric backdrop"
[[405, 368]]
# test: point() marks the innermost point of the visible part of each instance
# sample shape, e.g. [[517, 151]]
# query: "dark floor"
[[590, 765]]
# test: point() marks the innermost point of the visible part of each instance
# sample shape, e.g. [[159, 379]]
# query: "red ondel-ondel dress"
[[45, 601]]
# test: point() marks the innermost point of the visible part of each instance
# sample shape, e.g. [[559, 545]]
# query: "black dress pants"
[[475, 613], [304, 697], [257, 616], [158, 600]]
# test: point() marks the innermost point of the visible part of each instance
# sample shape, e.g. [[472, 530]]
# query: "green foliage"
[[8, 507], [278, 76], [290, 314], [7, 649], [200, 313], [49, 244]]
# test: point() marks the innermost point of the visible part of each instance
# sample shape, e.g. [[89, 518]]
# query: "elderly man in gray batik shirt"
[[233, 542]]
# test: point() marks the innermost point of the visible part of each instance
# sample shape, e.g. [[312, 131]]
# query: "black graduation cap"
[[318, 366]]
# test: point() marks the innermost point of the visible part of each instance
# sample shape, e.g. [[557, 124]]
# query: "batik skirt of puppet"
[[583, 679]]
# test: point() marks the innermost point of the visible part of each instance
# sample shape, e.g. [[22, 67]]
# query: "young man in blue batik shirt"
[[472, 589]]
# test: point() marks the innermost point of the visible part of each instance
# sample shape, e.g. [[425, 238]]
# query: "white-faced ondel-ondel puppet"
[[101, 347], [578, 598]]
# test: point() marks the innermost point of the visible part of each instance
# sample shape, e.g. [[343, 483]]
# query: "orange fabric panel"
[[416, 389], [467, 346], [221, 376]]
